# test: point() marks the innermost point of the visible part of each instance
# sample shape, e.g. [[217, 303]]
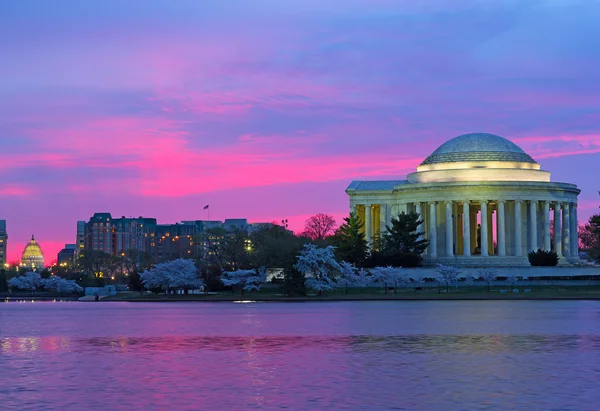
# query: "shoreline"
[[424, 297]]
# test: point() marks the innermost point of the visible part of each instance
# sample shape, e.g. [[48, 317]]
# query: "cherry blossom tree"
[[468, 279], [176, 274], [387, 276], [488, 275], [348, 276], [512, 280], [448, 275], [248, 280], [61, 285], [29, 281], [319, 267]]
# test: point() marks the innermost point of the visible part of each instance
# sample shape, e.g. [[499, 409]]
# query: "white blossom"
[[29, 281], [387, 276], [61, 285], [469, 279], [319, 266], [487, 274], [348, 275], [180, 273], [448, 274], [249, 280]]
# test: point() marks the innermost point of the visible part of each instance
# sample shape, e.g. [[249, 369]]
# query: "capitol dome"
[[478, 147], [32, 255]]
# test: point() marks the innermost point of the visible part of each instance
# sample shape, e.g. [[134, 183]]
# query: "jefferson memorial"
[[483, 202]]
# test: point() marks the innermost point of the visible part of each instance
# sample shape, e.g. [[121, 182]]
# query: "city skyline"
[[268, 111]]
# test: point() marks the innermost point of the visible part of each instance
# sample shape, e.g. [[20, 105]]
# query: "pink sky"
[[268, 110]]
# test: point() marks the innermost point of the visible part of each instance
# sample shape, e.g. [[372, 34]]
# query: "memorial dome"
[[478, 147], [32, 254]]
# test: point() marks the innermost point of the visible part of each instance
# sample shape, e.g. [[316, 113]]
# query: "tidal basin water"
[[415, 355]]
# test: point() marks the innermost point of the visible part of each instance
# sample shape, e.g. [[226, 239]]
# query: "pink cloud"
[[544, 146], [14, 191]]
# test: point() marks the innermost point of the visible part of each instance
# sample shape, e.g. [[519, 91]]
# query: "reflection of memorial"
[[484, 201]]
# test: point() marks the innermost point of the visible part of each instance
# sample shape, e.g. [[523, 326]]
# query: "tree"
[[294, 282], [319, 227], [175, 274], [387, 276], [403, 235], [61, 285], [275, 247], [468, 279], [247, 280], [542, 258], [512, 280], [226, 249], [3, 281], [29, 281], [400, 244], [447, 275], [132, 261], [318, 266], [93, 261], [348, 276], [589, 237], [350, 242], [488, 275]]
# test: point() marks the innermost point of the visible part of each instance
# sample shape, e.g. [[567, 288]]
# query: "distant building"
[[80, 239], [3, 243], [32, 255], [162, 241], [67, 254]]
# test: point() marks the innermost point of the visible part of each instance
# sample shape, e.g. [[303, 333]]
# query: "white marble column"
[[449, 230], [518, 229], [419, 211], [547, 225], [566, 231], [466, 229], [353, 208], [533, 246], [557, 230], [574, 231], [501, 229], [383, 213], [432, 230], [484, 228], [391, 208], [368, 234]]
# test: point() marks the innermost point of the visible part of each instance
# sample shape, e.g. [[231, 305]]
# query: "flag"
[[206, 207]]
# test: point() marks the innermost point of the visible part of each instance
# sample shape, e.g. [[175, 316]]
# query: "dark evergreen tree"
[[403, 235], [350, 242], [589, 237], [293, 283], [3, 281], [400, 245]]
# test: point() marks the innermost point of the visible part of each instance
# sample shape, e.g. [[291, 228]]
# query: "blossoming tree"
[[319, 267]]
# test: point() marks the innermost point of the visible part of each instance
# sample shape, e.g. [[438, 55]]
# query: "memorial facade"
[[483, 202]]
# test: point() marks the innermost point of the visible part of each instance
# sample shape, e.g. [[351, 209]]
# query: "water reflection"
[[413, 344], [346, 356]]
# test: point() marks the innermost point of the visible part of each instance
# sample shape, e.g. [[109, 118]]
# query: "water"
[[411, 355]]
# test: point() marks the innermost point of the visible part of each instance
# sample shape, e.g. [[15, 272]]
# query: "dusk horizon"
[[269, 112]]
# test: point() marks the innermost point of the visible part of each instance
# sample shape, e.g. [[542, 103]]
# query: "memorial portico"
[[483, 201]]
